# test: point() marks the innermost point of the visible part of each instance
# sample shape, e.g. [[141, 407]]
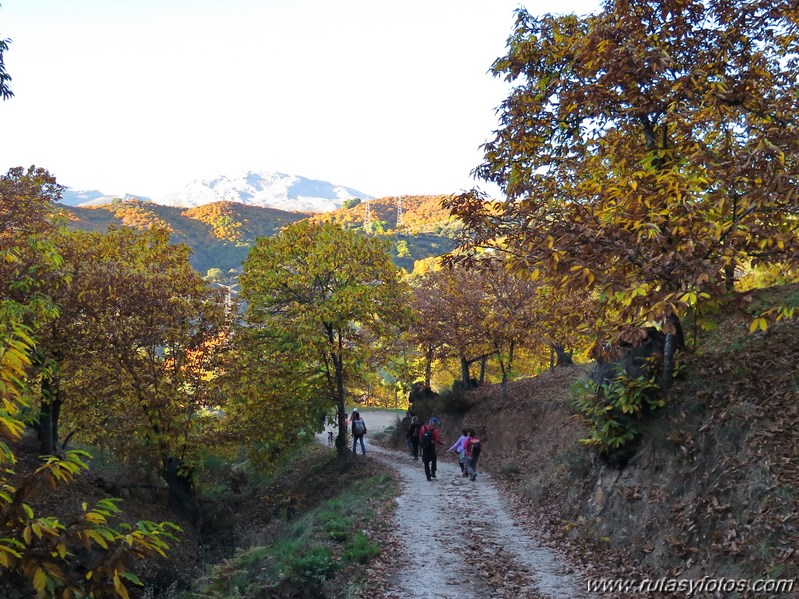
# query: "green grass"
[[311, 549], [360, 549]]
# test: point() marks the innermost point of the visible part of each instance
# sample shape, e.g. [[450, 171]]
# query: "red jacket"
[[436, 436]]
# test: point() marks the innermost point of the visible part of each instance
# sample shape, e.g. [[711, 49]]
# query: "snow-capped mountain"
[[256, 188], [265, 189], [83, 197]]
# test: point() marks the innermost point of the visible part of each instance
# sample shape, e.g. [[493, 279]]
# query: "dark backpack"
[[358, 427], [427, 439], [474, 446]]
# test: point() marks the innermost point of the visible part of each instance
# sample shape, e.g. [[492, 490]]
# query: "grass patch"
[[308, 551], [361, 549]]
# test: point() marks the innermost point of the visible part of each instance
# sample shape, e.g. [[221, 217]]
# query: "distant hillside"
[[221, 233], [416, 226], [419, 214]]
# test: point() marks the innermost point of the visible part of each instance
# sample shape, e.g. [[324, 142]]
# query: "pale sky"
[[141, 96]]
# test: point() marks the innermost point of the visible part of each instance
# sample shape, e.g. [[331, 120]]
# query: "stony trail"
[[459, 540]]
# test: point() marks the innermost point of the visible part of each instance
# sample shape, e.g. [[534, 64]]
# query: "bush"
[[614, 409]]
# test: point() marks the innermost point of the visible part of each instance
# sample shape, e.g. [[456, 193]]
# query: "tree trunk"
[[729, 277], [674, 341], [181, 489], [504, 384], [564, 357], [428, 367], [465, 374], [483, 362], [49, 413], [502, 368], [341, 441], [45, 427], [669, 349]]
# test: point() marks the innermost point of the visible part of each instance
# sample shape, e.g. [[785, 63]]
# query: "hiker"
[[358, 431], [429, 437], [412, 437], [460, 449], [473, 447]]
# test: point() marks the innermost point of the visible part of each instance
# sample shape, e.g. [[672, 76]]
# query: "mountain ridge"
[[221, 233], [268, 189]]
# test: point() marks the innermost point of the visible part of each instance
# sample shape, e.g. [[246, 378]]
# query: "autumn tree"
[[323, 298], [513, 319], [401, 366], [535, 314], [133, 351], [27, 225], [646, 151], [428, 328], [38, 549], [271, 396], [451, 304], [489, 312], [28, 256]]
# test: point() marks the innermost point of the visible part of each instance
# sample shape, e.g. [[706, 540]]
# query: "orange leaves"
[[665, 193]]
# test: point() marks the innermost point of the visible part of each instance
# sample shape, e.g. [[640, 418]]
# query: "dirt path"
[[459, 540]]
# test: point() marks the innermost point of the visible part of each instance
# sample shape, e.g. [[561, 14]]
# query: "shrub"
[[614, 409]]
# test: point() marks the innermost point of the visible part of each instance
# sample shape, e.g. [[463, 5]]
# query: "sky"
[[142, 96]]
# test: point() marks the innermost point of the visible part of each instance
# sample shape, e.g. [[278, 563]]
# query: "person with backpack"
[[473, 448], [412, 437], [460, 449], [358, 431], [428, 439]]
